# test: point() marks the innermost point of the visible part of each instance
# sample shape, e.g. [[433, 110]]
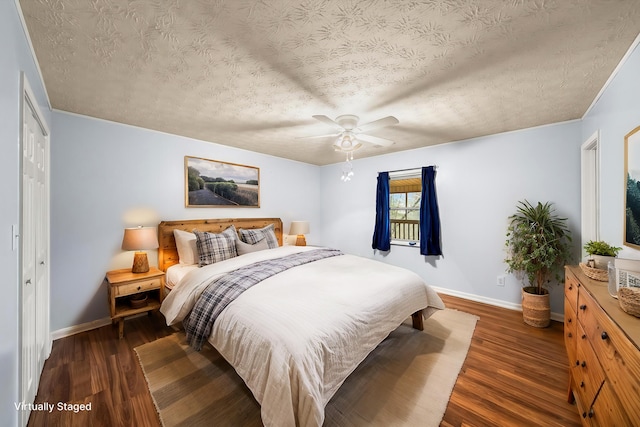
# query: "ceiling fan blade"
[[319, 136], [374, 140], [327, 120], [380, 123]]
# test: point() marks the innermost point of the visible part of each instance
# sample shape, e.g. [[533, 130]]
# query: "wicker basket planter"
[[594, 273], [629, 300], [536, 309], [138, 300]]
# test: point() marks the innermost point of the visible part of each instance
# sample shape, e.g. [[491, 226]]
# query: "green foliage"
[[223, 189], [252, 182], [538, 243], [601, 248], [194, 180], [632, 213]]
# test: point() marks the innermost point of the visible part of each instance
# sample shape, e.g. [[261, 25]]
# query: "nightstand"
[[123, 284]]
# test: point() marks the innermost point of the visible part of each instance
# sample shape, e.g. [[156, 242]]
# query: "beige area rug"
[[406, 380]]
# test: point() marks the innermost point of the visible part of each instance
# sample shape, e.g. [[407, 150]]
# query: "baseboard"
[[83, 327], [559, 317], [72, 330]]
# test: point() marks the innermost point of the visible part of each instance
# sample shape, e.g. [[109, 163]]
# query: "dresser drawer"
[[587, 371], [571, 286], [607, 343], [570, 337], [615, 352], [134, 288], [607, 410]]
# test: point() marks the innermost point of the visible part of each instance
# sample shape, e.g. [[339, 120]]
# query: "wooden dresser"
[[603, 347]]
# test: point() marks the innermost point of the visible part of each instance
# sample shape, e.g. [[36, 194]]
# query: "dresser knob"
[[583, 307], [584, 336], [583, 364], [569, 320], [591, 413], [139, 287], [581, 384], [570, 287], [584, 415], [604, 335], [570, 335], [577, 363]]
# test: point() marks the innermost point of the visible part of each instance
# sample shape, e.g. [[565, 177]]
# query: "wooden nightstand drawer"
[[136, 287]]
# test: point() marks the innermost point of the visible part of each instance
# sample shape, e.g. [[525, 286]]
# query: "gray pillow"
[[246, 248]]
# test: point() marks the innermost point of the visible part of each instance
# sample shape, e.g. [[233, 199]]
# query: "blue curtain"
[[382, 232], [429, 216]]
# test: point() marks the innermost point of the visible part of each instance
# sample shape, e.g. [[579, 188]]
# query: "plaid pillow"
[[253, 236], [214, 247]]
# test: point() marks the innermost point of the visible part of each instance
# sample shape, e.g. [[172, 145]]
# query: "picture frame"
[[217, 184], [631, 234]]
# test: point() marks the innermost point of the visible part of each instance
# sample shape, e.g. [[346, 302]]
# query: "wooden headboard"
[[168, 252]]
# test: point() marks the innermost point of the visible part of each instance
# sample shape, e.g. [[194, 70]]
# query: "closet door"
[[34, 233]]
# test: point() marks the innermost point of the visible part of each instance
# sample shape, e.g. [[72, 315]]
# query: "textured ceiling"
[[250, 74]]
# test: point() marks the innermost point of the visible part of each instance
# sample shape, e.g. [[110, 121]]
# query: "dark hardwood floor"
[[513, 375]]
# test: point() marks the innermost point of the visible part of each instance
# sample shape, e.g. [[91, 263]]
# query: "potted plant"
[[601, 252], [538, 247]]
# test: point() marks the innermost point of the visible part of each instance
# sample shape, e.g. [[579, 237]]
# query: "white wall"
[[107, 176], [615, 114], [15, 57], [478, 184]]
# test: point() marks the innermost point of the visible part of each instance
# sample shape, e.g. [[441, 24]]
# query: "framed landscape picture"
[[216, 184], [632, 188]]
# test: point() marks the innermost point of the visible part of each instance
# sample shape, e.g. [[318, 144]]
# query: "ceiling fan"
[[350, 136]]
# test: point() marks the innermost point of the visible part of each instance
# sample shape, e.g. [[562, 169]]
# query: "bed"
[[296, 336]]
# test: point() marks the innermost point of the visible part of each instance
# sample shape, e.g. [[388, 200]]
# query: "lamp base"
[[301, 241], [140, 263]]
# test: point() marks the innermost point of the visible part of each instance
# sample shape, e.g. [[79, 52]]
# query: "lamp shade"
[[299, 227], [139, 238]]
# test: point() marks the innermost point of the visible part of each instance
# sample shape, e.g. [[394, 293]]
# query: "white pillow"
[[245, 248], [186, 244]]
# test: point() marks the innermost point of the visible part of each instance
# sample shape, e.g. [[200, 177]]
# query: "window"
[[402, 218], [405, 190]]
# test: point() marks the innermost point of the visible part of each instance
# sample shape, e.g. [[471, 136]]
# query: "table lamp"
[[139, 239], [299, 228]]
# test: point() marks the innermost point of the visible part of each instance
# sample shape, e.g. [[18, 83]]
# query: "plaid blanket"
[[224, 290]]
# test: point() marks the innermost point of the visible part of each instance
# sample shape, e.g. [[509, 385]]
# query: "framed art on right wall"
[[632, 188]]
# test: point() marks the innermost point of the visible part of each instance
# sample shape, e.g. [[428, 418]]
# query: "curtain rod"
[[410, 169]]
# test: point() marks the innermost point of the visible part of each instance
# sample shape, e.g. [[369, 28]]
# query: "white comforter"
[[295, 337]]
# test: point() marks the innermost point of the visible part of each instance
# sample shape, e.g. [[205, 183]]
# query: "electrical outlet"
[[501, 280]]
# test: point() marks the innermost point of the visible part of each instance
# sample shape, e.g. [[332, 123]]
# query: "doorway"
[[590, 188]]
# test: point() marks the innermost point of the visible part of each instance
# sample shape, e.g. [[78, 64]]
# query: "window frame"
[[404, 174]]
